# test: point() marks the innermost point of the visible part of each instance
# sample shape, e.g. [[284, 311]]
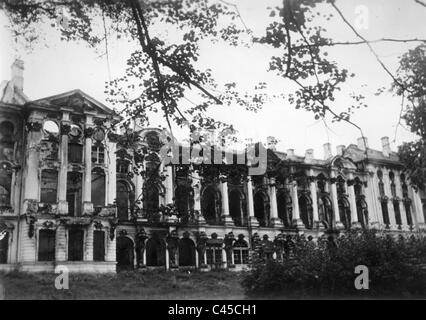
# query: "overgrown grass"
[[126, 285]]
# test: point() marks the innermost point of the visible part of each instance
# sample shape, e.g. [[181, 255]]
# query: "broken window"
[[122, 201], [98, 188], [75, 153], [46, 245], [75, 245], [235, 208], [49, 186], [151, 199], [5, 185], [6, 140], [98, 154], [122, 166], [241, 256], [74, 187], [214, 256], [98, 245]]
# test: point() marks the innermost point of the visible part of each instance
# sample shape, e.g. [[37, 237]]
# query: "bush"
[[327, 269]]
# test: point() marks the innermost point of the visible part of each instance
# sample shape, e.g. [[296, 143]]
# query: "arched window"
[[124, 253], [186, 252], [407, 206], [306, 214], [397, 213], [182, 200], [392, 184], [284, 208], [261, 208], [210, 205], [381, 185], [344, 212], [406, 200], [151, 199], [98, 187], [385, 213], [241, 251], [155, 252], [122, 201], [235, 207], [5, 184], [49, 186], [361, 204], [325, 211]]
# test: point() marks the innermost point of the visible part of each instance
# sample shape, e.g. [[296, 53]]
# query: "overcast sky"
[[61, 67]]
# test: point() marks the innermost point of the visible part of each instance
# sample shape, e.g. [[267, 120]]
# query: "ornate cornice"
[[65, 129]]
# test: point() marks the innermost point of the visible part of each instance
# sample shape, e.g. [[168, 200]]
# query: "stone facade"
[[71, 194]]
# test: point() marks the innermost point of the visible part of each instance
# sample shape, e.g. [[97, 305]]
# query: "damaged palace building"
[[69, 194]]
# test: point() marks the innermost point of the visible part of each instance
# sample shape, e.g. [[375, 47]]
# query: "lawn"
[[126, 285]]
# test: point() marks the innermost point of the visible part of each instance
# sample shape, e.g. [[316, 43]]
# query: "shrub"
[[327, 269]]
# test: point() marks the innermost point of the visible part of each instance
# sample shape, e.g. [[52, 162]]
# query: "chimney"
[[290, 153], [17, 69], [386, 146], [327, 150], [272, 143], [340, 149], [309, 155], [362, 143]]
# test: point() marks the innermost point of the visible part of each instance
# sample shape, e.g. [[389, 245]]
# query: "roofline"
[[71, 92]]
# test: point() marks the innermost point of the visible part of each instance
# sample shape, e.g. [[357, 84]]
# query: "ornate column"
[[418, 210], [250, 204], [314, 197], [139, 190], [60, 243], [63, 171], [225, 203], [352, 202], [196, 186], [297, 222], [169, 184], [112, 168], [335, 201], [32, 154], [275, 220], [87, 186], [372, 196]]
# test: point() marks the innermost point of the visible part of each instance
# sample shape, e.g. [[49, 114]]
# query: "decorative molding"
[[88, 132], [65, 129]]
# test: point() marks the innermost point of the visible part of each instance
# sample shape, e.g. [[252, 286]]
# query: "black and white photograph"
[[228, 152]]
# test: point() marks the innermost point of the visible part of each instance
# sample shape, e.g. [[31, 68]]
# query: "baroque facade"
[[69, 194]]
